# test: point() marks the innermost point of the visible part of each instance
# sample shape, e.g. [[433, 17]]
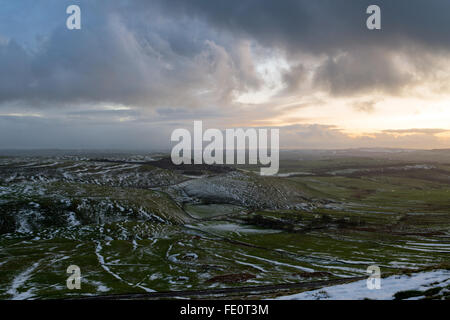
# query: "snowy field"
[[389, 287]]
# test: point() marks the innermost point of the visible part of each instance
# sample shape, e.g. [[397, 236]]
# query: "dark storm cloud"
[[331, 28], [323, 25], [122, 55], [198, 53], [361, 70]]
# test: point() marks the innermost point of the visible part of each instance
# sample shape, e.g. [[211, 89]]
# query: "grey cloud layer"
[[124, 56], [188, 53], [357, 60], [323, 25], [173, 61]]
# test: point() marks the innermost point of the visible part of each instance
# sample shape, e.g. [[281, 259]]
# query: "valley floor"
[[136, 226]]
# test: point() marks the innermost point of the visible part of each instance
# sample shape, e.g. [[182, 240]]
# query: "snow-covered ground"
[[389, 286], [19, 281]]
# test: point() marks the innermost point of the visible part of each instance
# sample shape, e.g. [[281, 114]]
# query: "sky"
[[137, 70]]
